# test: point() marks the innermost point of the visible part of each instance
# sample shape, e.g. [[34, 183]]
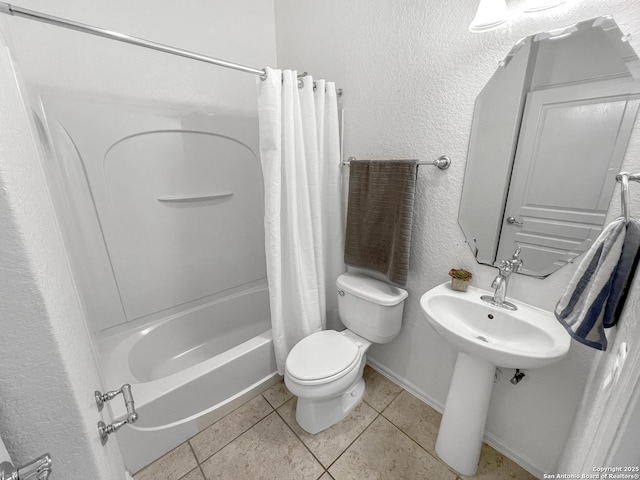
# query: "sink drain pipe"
[[517, 378]]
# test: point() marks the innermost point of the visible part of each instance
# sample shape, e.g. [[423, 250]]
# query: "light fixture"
[[491, 14], [538, 5]]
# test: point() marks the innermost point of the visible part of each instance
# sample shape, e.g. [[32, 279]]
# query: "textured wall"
[[47, 373], [411, 71]]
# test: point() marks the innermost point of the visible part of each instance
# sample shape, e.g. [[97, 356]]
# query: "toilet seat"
[[322, 358]]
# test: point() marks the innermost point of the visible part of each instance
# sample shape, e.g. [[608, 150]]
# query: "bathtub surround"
[[300, 155], [49, 349], [411, 72], [186, 300], [174, 112], [159, 184]]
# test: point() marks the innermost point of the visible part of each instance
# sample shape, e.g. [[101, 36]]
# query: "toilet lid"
[[321, 355]]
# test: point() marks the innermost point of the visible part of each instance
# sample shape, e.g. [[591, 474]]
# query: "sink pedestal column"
[[465, 414]]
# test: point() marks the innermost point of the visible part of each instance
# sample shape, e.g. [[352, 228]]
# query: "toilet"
[[324, 370]]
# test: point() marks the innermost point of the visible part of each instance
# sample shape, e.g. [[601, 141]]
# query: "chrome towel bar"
[[442, 162], [624, 178]]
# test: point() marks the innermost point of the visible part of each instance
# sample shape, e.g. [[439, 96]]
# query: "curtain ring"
[[301, 79]]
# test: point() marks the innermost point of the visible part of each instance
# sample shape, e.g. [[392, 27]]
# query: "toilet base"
[[315, 415]]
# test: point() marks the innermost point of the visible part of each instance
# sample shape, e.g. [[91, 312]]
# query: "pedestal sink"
[[486, 337]]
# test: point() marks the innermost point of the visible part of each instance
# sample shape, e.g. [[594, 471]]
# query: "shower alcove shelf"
[[193, 198]]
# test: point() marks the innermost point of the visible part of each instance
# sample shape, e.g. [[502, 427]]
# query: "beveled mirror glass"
[[549, 133]]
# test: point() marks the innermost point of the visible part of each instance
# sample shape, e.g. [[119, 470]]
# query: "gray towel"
[[380, 216], [595, 295]]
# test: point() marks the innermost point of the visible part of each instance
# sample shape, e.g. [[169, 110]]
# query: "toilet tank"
[[370, 308]]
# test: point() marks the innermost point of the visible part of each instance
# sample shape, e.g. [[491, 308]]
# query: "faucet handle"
[[516, 261], [506, 267]]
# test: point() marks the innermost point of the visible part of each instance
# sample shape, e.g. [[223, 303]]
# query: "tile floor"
[[389, 436]]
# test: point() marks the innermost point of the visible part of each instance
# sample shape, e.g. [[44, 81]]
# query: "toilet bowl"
[[324, 370]]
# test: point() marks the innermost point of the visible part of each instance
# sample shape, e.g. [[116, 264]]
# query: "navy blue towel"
[[595, 296]]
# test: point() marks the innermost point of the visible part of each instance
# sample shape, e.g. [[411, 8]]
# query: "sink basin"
[[526, 338], [485, 336]]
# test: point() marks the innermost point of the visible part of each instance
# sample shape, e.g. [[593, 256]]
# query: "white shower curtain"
[[300, 155]]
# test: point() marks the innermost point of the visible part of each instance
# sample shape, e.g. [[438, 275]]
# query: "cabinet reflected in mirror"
[[549, 133]]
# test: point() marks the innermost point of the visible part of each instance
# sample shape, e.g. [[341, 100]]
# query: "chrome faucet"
[[501, 282]]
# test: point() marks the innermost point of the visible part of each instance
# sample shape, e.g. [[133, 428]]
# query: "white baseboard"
[[406, 384], [518, 457], [521, 459]]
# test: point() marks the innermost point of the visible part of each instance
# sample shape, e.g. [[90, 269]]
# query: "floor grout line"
[[355, 439], [401, 430], [432, 455], [270, 404], [275, 409], [389, 404], [191, 471], [193, 452], [325, 470], [234, 438], [298, 437]]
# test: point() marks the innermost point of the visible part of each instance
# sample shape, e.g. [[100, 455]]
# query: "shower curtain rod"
[[9, 9]]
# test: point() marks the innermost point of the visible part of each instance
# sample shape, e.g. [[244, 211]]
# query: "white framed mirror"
[[549, 133]]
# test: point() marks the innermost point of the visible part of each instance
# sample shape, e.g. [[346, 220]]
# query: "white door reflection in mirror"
[[571, 146]]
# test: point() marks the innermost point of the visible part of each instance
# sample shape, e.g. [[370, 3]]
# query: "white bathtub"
[[189, 370]]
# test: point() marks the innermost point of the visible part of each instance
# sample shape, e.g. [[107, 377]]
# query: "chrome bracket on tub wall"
[[39, 469], [105, 430]]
